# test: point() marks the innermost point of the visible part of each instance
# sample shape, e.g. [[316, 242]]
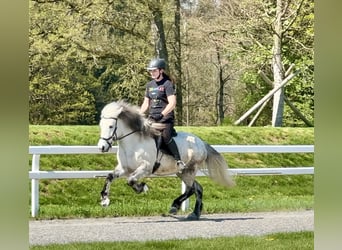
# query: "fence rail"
[[36, 174]]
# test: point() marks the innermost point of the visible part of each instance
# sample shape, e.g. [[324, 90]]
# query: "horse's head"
[[119, 120], [109, 126]]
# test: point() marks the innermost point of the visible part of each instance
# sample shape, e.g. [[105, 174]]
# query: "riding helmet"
[[156, 63]]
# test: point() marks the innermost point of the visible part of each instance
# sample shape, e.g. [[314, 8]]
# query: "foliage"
[[297, 50], [84, 54]]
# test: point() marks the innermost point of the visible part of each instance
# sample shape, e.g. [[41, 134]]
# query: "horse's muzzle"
[[103, 145], [103, 149]]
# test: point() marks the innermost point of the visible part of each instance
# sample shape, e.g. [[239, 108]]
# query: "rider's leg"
[[172, 146], [159, 141]]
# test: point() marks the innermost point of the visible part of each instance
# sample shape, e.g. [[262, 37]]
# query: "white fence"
[[36, 174]]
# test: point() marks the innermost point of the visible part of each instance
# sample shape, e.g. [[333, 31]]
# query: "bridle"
[[114, 136]]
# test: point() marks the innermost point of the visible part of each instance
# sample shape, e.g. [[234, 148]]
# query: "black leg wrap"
[[199, 204], [110, 177], [137, 187], [178, 201]]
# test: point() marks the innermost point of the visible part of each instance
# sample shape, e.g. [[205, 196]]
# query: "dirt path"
[[167, 227]]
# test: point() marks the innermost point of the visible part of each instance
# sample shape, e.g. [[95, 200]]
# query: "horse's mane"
[[132, 117]]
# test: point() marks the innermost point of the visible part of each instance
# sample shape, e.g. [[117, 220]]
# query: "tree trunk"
[[278, 74], [161, 49], [178, 64], [221, 89]]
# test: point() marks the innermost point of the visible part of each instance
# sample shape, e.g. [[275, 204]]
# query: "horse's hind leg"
[[198, 190], [176, 204]]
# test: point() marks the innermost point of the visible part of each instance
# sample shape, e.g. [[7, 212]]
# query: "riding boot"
[[172, 146], [156, 165]]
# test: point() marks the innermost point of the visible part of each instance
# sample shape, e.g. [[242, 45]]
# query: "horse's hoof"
[[145, 188], [192, 216], [105, 202], [173, 210]]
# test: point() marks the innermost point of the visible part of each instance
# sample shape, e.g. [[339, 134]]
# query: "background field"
[[80, 198]]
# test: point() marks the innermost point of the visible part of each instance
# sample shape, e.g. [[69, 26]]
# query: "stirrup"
[[181, 164]]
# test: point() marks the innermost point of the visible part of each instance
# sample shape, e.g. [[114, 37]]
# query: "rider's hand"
[[157, 117]]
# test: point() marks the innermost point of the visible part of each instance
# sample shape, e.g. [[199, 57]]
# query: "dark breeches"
[[167, 133]]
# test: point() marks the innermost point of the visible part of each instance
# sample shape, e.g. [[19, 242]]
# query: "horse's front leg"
[[133, 180], [105, 190], [106, 187]]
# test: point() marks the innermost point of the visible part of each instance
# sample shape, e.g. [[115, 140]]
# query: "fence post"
[[186, 203], [35, 187]]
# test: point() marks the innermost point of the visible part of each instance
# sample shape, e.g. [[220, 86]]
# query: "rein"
[[114, 136]]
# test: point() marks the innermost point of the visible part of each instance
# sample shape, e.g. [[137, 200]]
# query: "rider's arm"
[[144, 105], [170, 106]]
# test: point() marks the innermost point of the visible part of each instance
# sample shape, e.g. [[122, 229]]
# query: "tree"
[[61, 90], [213, 60], [277, 66], [177, 51], [279, 30], [84, 54], [89, 43]]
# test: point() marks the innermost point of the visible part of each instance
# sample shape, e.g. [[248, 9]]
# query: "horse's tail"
[[217, 167]]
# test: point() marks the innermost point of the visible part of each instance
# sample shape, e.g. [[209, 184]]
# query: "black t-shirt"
[[158, 92]]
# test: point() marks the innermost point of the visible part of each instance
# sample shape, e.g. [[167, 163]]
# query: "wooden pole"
[[258, 113], [266, 79], [266, 97], [287, 101], [297, 112]]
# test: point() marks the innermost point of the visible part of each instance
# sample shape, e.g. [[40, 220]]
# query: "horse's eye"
[[111, 127]]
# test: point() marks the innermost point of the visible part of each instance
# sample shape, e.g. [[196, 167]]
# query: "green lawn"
[[284, 241]]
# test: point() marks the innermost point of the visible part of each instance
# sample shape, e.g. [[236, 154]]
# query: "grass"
[[293, 241], [80, 197]]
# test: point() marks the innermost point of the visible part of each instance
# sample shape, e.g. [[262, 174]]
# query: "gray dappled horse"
[[138, 156]]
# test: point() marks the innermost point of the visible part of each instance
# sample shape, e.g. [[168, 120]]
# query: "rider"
[[160, 101]]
